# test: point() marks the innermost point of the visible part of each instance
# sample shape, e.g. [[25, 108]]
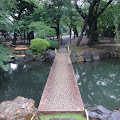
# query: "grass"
[[80, 49], [67, 115]]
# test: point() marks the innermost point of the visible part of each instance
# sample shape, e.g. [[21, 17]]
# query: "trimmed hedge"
[[39, 45], [53, 44]]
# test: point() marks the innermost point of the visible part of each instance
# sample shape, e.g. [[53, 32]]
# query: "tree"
[[72, 19], [117, 22], [4, 57], [41, 29], [54, 10], [96, 8]]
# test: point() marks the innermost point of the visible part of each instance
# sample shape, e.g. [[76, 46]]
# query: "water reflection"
[[27, 80], [99, 83]]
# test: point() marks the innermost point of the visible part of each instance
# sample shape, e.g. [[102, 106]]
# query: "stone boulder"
[[101, 55], [29, 57], [98, 112], [22, 58], [114, 116], [38, 58], [96, 56], [88, 56], [18, 109], [74, 57], [101, 113], [49, 55], [80, 59]]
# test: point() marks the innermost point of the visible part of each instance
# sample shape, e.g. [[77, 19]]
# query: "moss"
[[72, 115]]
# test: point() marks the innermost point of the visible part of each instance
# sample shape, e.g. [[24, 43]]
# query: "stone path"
[[61, 93]]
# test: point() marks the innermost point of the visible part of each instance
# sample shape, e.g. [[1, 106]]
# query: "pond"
[[26, 80], [99, 82]]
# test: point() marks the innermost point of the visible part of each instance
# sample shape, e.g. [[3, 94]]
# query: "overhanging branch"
[[104, 8]]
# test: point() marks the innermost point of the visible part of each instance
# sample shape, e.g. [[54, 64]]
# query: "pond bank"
[[24, 109]]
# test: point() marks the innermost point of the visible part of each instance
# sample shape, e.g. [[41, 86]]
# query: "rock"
[[38, 58], [27, 52], [107, 54], [49, 55], [101, 55], [96, 56], [112, 55], [101, 113], [20, 58], [74, 56], [29, 57], [80, 59], [88, 56], [114, 116], [98, 112], [18, 109]]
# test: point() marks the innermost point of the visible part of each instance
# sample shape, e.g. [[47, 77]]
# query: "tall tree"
[[96, 8], [55, 9]]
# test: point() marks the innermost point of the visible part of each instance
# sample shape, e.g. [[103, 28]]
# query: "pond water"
[[26, 80], [99, 83]]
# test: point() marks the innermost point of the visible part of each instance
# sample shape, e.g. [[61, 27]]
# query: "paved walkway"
[[61, 93]]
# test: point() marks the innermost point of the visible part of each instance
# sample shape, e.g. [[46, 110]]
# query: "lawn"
[[80, 49], [67, 115]]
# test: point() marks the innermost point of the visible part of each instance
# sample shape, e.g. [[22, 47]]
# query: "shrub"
[[39, 45], [5, 57], [53, 44], [64, 33]]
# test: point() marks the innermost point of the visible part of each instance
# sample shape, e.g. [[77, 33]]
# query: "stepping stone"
[[62, 119]]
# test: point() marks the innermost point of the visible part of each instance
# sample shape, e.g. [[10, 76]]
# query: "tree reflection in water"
[[99, 82]]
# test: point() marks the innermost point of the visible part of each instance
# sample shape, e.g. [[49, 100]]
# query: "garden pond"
[[99, 82], [25, 79]]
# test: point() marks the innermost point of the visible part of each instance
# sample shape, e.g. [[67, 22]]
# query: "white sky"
[[80, 2]]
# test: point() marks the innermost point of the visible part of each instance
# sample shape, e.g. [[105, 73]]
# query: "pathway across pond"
[[61, 93]]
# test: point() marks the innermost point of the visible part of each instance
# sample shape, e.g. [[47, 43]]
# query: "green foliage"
[[117, 23], [63, 116], [4, 57], [64, 33], [53, 44], [41, 29], [39, 45], [31, 52]]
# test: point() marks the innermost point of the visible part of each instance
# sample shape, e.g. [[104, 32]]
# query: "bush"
[[39, 45], [53, 44], [64, 33], [5, 57]]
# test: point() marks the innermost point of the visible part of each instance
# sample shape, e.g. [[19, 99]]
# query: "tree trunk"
[[58, 33], [76, 32], [93, 32], [70, 34], [15, 38], [83, 28]]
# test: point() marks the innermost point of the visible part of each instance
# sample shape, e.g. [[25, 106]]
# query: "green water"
[[26, 80], [99, 83]]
